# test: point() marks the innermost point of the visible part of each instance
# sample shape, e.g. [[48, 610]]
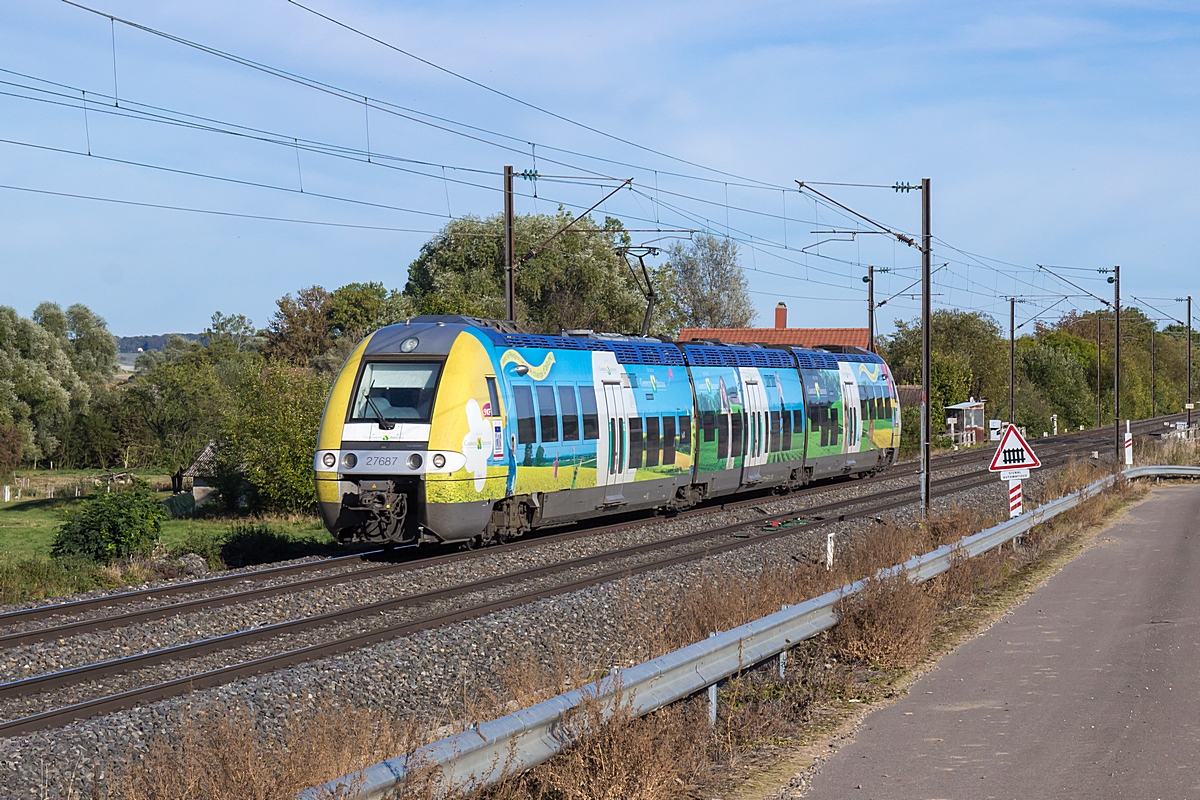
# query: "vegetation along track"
[[694, 545]]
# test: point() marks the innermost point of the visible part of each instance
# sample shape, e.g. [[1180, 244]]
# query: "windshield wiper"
[[384, 425]]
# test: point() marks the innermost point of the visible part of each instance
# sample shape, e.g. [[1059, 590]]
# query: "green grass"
[[28, 527]]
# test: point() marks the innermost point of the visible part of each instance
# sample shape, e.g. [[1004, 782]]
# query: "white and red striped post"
[[1128, 446], [1014, 499]]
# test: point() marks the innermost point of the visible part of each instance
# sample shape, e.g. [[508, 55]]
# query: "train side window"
[[685, 430], [635, 442], [737, 434], [668, 436], [652, 441], [493, 396], [549, 413], [612, 447], [591, 420], [570, 413], [776, 430], [526, 427], [798, 419], [708, 421], [786, 431], [722, 436], [835, 427]]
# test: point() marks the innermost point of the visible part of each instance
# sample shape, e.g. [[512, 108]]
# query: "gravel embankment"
[[422, 676]]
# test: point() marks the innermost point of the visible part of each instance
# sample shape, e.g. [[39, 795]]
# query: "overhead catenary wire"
[[518, 100], [952, 279]]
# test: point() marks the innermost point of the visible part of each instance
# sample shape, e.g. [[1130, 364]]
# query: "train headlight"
[[415, 461], [408, 345], [349, 460], [329, 459], [439, 460]]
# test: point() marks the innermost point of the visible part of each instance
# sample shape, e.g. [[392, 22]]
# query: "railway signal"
[[1013, 460]]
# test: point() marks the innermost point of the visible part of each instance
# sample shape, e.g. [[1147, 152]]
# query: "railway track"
[[350, 567], [604, 567]]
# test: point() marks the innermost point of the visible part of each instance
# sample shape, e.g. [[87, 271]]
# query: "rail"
[[523, 739]]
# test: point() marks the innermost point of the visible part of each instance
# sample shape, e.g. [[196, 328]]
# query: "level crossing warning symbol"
[[1013, 453]]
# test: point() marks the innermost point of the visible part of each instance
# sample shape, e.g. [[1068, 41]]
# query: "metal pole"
[[1118, 439], [926, 326], [1153, 396], [871, 308], [1012, 358], [1099, 421], [1189, 361], [510, 294]]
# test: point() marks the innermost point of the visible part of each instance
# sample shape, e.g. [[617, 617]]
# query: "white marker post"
[[1013, 460], [1128, 446]]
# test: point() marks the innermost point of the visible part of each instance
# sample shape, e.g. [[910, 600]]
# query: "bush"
[[112, 525]]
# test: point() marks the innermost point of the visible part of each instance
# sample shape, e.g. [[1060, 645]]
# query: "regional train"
[[455, 429]]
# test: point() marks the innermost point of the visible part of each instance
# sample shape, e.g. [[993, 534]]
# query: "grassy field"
[[28, 527]]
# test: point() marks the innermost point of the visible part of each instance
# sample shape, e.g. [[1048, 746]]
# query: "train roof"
[[436, 334]]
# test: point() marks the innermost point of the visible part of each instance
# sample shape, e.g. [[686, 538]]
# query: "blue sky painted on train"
[[1054, 133]]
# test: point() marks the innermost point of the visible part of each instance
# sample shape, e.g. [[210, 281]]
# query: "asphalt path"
[[1089, 689]]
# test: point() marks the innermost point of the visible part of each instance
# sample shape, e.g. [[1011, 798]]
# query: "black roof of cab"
[[435, 336]]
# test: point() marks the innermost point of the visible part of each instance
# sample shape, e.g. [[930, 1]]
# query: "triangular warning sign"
[[1014, 452]]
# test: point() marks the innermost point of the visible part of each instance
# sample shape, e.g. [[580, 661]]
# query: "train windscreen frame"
[[396, 392]]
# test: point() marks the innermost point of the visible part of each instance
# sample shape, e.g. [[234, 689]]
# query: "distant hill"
[[130, 344]]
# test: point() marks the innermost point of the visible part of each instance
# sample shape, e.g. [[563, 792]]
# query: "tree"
[[12, 441], [181, 404], [971, 337], [299, 330], [38, 383], [575, 280], [84, 336], [1059, 377], [231, 330], [702, 286], [270, 434]]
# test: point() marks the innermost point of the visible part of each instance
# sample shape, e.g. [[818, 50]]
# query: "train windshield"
[[396, 392]]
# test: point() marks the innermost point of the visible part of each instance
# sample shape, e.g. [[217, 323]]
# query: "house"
[[828, 338]]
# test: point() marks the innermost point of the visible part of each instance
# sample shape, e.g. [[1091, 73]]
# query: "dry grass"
[[1179, 452], [888, 624], [224, 754]]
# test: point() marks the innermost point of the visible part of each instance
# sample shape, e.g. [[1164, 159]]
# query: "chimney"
[[781, 316]]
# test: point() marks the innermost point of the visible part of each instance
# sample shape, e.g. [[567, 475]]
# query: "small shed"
[[203, 471], [965, 422]]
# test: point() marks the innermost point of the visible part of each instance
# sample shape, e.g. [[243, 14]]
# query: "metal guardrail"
[[523, 739]]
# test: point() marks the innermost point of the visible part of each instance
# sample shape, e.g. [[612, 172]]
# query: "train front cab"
[[397, 428]]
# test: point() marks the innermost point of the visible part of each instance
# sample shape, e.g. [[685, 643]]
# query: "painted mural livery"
[[571, 419]]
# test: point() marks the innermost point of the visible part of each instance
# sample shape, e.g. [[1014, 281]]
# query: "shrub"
[[112, 525]]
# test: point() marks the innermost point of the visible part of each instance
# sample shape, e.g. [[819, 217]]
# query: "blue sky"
[[1054, 133]]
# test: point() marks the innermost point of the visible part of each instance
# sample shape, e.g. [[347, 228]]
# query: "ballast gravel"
[[426, 676]]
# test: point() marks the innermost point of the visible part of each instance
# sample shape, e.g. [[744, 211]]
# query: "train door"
[[612, 455], [851, 409], [758, 419]]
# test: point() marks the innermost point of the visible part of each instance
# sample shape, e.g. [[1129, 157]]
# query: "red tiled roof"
[[800, 337]]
